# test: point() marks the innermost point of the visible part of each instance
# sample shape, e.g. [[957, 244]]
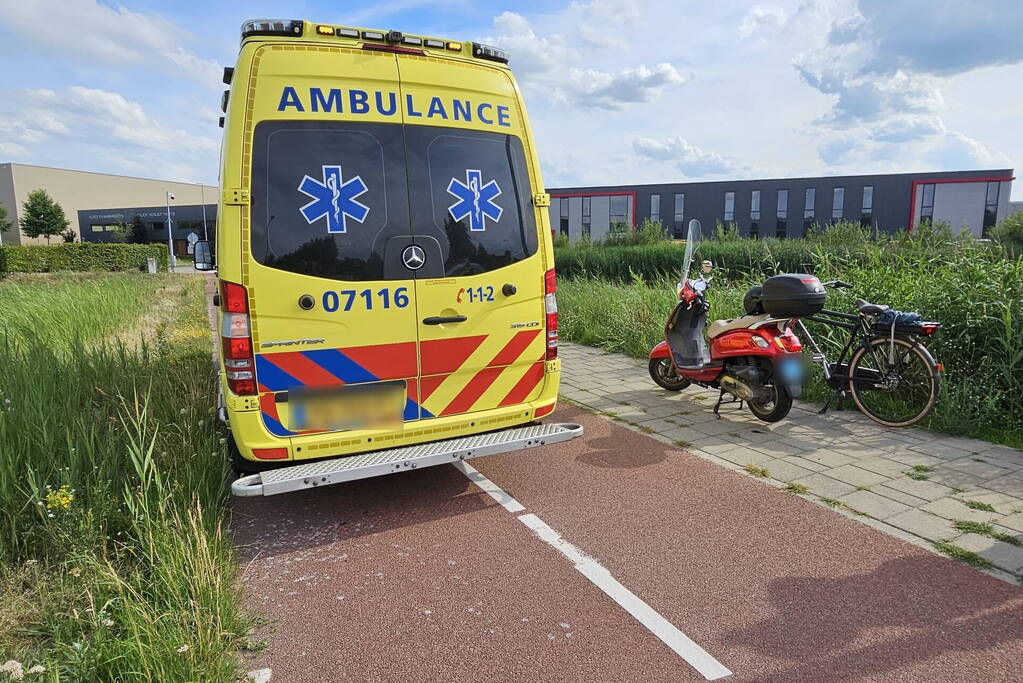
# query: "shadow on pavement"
[[908, 610], [311, 518]]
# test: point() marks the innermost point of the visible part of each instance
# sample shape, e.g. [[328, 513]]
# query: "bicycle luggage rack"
[[376, 463]]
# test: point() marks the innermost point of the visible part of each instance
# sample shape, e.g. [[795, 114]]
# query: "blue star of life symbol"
[[475, 200], [334, 199]]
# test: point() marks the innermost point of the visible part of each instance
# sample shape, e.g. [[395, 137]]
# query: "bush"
[[1009, 234], [648, 232], [80, 257]]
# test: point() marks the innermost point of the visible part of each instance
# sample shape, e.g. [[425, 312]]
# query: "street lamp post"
[[205, 235], [170, 242]]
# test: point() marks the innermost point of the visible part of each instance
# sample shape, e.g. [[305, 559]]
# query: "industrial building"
[[788, 207], [96, 204]]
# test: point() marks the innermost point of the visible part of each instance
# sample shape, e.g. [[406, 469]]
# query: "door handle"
[[441, 319]]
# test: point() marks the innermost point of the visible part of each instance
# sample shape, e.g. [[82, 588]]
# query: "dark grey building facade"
[[788, 207], [100, 225]]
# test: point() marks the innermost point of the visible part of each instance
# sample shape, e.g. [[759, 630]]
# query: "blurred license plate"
[[790, 370], [379, 405]]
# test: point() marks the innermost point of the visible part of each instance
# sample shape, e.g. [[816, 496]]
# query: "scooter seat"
[[719, 327]]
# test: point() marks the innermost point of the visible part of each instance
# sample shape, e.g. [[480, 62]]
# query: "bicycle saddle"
[[868, 308]]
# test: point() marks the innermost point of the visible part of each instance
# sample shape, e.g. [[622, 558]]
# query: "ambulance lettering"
[[385, 103], [475, 200], [333, 198]]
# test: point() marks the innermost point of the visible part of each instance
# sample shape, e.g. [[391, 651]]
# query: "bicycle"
[[890, 375]]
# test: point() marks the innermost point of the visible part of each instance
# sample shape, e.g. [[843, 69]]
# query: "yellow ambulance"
[[386, 277]]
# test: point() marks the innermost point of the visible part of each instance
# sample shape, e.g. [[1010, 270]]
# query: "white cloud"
[[762, 21], [553, 64], [78, 126], [691, 160], [591, 88], [90, 32]]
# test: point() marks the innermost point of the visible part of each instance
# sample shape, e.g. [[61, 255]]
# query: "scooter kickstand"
[[717, 405]]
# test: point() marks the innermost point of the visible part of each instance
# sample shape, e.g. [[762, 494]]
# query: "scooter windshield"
[[692, 237]]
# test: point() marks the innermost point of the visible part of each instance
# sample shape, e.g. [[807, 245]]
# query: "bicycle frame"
[[858, 328]]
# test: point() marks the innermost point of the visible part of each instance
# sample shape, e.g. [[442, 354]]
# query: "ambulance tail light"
[[550, 304], [236, 339]]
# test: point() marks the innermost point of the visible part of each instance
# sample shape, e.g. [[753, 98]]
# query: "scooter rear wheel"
[[774, 409], [663, 372]]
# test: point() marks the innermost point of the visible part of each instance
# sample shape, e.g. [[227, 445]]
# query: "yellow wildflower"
[[60, 499]]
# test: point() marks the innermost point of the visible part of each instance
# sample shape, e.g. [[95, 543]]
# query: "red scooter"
[[755, 358]]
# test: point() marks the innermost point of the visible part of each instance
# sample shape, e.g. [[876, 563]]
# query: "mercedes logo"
[[413, 257]]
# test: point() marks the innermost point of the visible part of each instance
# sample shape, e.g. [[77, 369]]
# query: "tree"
[[138, 233], [42, 216], [5, 223]]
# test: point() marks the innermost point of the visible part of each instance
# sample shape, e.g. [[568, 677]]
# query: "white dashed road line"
[[599, 576]]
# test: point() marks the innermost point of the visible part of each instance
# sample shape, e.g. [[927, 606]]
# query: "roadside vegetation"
[[974, 289], [114, 562]]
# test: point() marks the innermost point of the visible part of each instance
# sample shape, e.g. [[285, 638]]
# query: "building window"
[[619, 209], [680, 214], [729, 207], [867, 208], [927, 204], [837, 203], [990, 207], [655, 207], [809, 209], [754, 213], [564, 216], [586, 217], [782, 225]]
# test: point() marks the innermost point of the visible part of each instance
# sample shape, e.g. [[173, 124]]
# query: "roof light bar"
[[373, 35], [347, 33], [325, 30], [494, 54], [412, 40], [457, 47], [272, 27], [430, 42]]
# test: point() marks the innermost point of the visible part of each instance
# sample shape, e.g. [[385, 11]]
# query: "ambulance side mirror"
[[203, 256]]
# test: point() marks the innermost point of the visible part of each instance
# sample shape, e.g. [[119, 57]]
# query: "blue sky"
[[618, 91]]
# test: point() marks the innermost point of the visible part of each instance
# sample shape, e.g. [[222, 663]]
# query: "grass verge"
[[114, 560], [962, 554]]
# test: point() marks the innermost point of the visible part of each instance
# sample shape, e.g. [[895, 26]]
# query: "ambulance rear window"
[[470, 191], [327, 196]]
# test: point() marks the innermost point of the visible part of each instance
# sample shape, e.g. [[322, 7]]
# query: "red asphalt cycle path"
[[423, 576]]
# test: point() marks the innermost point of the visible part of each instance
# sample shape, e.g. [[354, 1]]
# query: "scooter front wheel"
[[775, 408], [663, 372]]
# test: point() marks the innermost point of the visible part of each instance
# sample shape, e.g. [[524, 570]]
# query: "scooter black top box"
[[793, 294]]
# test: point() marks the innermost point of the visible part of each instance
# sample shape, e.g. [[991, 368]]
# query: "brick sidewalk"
[[910, 483]]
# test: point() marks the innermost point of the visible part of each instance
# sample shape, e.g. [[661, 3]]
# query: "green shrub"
[[1009, 234], [968, 286], [80, 257], [648, 232]]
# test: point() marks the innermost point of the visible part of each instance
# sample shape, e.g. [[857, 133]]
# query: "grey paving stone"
[[783, 470], [953, 508], [825, 486], [882, 465], [900, 496], [1003, 555], [857, 450], [931, 527], [658, 424], [778, 448], [927, 490], [874, 505], [908, 457], [955, 478], [717, 427], [743, 456], [1002, 502], [855, 476], [663, 410], [1014, 522], [977, 467], [828, 458], [941, 450], [804, 463], [686, 434], [1011, 484]]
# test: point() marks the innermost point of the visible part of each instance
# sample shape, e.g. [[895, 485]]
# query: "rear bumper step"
[[377, 463]]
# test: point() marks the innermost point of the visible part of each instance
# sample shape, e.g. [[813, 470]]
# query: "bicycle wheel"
[[894, 389]]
